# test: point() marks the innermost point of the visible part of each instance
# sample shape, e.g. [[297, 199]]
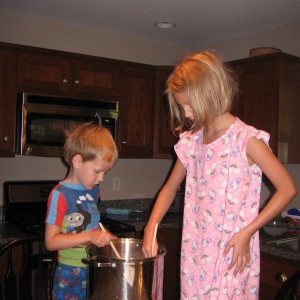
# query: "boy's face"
[[89, 173]]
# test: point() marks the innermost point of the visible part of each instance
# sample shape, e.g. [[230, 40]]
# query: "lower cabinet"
[[171, 238], [272, 268]]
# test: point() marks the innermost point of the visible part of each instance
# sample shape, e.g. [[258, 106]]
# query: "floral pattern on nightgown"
[[212, 215]]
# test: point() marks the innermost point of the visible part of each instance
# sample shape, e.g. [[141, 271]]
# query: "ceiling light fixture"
[[165, 25]]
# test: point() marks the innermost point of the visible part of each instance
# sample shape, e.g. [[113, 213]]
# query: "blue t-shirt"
[[74, 209]]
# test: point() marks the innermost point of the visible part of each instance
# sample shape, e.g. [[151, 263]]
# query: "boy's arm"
[[54, 240]]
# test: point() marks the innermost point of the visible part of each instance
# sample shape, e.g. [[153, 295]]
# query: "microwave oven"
[[43, 120]]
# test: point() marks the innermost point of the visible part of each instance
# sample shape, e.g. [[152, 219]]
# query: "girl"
[[222, 159]]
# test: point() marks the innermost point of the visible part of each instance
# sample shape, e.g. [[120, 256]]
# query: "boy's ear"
[[76, 160]]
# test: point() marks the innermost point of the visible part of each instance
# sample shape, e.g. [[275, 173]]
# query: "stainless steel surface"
[[131, 277]]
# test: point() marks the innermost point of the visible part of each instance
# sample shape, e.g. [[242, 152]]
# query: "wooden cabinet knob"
[[65, 81], [77, 81], [6, 139]]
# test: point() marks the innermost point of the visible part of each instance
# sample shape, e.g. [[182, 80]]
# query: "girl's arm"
[[162, 205], [259, 153], [54, 240], [262, 156]]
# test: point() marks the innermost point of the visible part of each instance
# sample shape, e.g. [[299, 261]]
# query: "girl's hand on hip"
[[239, 243]]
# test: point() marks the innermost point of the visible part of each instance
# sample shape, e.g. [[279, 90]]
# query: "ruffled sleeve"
[[245, 133], [185, 148]]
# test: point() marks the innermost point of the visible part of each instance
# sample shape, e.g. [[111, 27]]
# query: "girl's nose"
[[189, 114]]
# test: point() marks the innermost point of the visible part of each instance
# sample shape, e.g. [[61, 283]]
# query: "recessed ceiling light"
[[165, 25]]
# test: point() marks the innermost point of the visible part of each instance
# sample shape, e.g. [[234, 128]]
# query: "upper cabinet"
[[164, 139], [269, 99], [136, 112], [69, 74], [7, 101]]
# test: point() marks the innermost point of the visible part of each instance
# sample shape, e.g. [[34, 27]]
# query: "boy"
[[72, 217]]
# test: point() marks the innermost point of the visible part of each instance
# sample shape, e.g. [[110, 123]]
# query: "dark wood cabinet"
[[143, 125], [59, 73], [164, 139], [269, 100], [136, 112], [7, 101], [171, 238], [272, 267]]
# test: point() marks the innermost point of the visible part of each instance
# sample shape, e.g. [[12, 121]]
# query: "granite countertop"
[[285, 246], [285, 250], [139, 220]]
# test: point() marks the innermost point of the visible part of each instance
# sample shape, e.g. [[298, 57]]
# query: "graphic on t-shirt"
[[74, 221], [80, 220]]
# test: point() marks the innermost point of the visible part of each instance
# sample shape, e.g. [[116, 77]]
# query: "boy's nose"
[[100, 177]]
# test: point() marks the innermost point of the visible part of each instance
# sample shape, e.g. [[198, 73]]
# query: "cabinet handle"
[[124, 142], [281, 276], [77, 81], [6, 139], [65, 81], [28, 150]]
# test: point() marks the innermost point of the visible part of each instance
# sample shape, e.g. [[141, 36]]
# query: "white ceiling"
[[199, 22]]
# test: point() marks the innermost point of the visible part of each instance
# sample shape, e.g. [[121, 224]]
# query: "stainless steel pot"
[[130, 277]]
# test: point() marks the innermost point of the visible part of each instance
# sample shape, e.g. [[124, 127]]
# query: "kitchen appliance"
[[131, 277], [43, 120], [25, 205]]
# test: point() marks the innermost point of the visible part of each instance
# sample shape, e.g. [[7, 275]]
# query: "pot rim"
[[103, 258]]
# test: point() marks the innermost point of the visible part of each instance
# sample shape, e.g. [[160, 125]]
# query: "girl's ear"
[[77, 160]]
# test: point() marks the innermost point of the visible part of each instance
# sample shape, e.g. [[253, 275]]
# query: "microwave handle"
[[98, 119]]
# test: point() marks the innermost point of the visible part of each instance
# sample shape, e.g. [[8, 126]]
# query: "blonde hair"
[[209, 85], [90, 140]]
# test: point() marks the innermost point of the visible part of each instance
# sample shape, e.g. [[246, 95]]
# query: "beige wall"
[[140, 178]]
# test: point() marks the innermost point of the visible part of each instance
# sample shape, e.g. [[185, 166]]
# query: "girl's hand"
[[147, 242], [101, 238], [239, 243]]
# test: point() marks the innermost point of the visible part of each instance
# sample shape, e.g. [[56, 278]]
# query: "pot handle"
[[94, 263]]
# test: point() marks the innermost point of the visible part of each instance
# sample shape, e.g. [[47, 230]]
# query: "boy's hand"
[[101, 238]]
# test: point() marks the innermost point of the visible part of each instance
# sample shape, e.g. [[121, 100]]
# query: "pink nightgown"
[[221, 197]]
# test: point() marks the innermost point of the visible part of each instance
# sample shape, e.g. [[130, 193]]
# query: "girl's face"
[[183, 100], [89, 173]]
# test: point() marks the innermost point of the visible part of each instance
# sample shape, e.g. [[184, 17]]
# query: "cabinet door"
[[136, 112], [97, 77], [44, 71], [164, 139], [259, 97], [8, 101], [171, 239]]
